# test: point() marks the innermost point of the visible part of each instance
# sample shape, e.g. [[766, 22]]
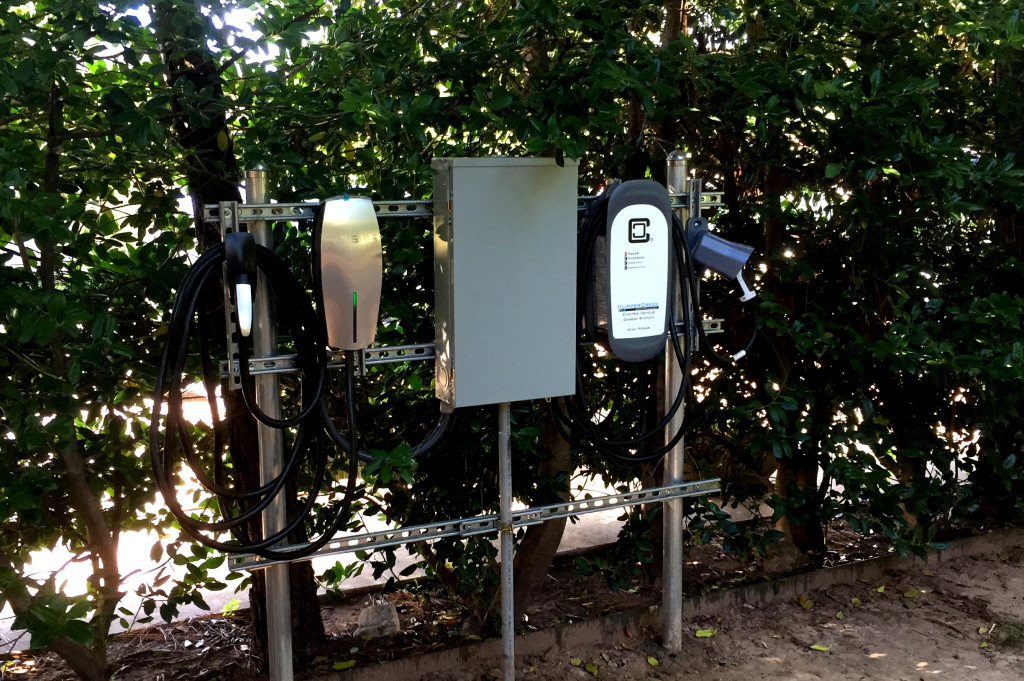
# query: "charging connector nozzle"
[[719, 255], [240, 258]]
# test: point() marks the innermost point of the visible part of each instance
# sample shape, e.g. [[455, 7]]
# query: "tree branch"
[[79, 657], [100, 541]]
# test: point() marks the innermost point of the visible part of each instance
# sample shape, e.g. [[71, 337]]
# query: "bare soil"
[[960, 619]]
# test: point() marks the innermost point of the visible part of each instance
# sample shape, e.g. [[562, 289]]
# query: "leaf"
[[984, 644], [839, 615], [910, 593], [823, 649], [653, 661], [927, 572], [223, 141], [881, 589], [347, 664], [805, 602], [592, 669], [856, 602], [575, 662], [832, 169], [706, 633]]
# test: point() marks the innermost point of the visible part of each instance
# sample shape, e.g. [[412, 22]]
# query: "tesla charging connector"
[[350, 261], [240, 259], [639, 270], [719, 255]]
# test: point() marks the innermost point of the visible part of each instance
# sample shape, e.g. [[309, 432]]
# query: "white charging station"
[[638, 245], [350, 265]]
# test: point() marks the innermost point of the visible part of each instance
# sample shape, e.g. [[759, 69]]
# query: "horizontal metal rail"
[[281, 364], [335, 359], [288, 212], [292, 212], [469, 527]]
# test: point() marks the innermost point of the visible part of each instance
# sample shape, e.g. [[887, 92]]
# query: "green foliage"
[[628, 562]]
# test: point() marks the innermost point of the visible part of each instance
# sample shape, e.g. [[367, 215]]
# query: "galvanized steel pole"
[[672, 573], [268, 396], [505, 531]]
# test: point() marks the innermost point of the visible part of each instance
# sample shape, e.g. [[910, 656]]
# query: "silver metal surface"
[[279, 364], [506, 532], [351, 263], [470, 527], [672, 509], [229, 225], [504, 232], [404, 209], [268, 397], [289, 212]]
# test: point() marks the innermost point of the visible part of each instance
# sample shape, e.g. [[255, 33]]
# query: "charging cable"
[[306, 473]]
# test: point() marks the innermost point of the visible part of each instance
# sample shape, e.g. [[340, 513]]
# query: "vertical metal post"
[[508, 632], [268, 396], [672, 573]]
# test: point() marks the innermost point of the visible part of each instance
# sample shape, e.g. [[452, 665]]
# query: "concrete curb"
[[478, 658]]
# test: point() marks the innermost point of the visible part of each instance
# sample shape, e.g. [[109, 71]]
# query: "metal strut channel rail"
[[288, 212], [372, 356], [469, 527], [335, 360]]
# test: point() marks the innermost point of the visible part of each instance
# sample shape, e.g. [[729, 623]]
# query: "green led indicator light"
[[353, 299]]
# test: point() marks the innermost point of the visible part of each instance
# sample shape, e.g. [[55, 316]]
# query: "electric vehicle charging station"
[[483, 234]]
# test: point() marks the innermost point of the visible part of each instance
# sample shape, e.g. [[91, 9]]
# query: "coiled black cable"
[[238, 506], [308, 457]]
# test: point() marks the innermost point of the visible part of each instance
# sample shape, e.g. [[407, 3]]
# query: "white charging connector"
[[243, 303], [240, 263]]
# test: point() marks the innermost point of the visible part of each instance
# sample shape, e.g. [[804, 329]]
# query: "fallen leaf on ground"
[[855, 602], [592, 669], [839, 615], [706, 633], [927, 572], [576, 662], [910, 594], [823, 649], [651, 660], [338, 666], [880, 589]]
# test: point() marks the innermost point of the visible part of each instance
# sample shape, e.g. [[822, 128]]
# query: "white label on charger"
[[638, 246]]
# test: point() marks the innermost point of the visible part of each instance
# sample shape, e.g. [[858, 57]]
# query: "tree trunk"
[[213, 176], [89, 663], [539, 544], [797, 473]]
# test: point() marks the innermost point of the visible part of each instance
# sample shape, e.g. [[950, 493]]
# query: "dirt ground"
[[958, 619], [962, 620]]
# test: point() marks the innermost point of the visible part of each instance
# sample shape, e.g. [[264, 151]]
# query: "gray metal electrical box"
[[504, 279]]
